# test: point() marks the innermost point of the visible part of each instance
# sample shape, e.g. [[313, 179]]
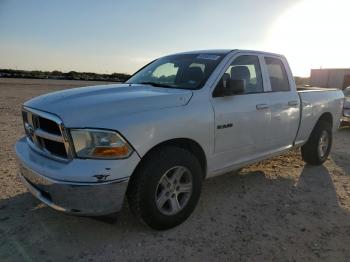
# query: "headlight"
[[103, 144]]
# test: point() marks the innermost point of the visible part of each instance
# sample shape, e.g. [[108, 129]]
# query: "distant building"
[[330, 78]]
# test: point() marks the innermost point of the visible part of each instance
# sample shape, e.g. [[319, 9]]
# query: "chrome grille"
[[46, 133]]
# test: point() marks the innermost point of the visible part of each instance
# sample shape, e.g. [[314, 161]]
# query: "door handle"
[[262, 107], [293, 103]]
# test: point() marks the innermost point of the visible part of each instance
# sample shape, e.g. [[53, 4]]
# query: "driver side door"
[[242, 120]]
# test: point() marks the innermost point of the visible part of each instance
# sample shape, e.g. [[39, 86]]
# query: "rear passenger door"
[[284, 102]]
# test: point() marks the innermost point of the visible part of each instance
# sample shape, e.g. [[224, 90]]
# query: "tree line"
[[72, 75]]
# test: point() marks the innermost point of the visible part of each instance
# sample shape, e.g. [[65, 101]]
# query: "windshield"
[[185, 71]]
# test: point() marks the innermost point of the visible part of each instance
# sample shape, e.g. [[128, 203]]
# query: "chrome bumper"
[[76, 198], [73, 186]]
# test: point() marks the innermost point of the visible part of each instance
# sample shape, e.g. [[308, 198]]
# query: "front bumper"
[[42, 177], [75, 198]]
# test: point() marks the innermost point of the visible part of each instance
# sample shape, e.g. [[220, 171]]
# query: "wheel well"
[[326, 117], [185, 143]]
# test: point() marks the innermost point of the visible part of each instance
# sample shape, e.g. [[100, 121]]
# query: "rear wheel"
[[165, 189], [318, 147]]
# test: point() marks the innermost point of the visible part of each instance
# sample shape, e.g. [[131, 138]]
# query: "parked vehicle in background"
[[346, 92], [345, 121], [180, 119]]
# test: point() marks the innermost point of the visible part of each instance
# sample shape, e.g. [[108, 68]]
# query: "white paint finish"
[[238, 142], [285, 110], [147, 116], [147, 129], [79, 107], [285, 117], [76, 170], [314, 104]]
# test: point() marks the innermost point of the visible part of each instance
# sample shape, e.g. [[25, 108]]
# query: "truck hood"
[[77, 105]]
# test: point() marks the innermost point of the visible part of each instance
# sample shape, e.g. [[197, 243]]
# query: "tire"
[[149, 187], [311, 152]]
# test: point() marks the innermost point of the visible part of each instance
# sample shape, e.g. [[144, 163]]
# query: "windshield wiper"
[[156, 84]]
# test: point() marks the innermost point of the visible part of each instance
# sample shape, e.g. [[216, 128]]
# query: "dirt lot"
[[277, 210]]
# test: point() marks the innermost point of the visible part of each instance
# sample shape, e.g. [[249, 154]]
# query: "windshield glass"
[[185, 71]]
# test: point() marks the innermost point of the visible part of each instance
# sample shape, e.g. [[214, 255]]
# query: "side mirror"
[[229, 87]]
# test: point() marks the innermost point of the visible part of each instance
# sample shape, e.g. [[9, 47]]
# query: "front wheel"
[[165, 189], [318, 147]]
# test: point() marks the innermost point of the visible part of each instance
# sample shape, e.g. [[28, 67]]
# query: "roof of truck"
[[226, 51], [209, 51]]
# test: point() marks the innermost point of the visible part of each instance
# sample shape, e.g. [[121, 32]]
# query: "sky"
[[121, 36]]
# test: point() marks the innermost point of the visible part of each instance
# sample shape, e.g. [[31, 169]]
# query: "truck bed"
[[314, 102]]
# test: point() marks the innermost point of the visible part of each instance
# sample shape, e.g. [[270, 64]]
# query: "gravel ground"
[[276, 210]]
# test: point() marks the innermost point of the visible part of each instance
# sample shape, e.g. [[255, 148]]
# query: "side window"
[[247, 68], [278, 75]]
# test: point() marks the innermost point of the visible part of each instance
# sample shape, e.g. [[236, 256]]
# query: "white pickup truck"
[[178, 120]]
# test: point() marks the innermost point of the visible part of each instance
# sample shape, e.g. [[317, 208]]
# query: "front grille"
[[45, 132], [48, 125], [54, 147]]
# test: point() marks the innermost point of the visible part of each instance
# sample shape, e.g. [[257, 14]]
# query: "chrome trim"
[[35, 192], [44, 152], [44, 115], [38, 132], [49, 136], [31, 134], [31, 174], [93, 199]]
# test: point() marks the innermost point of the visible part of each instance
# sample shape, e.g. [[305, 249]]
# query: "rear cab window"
[[277, 74]]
